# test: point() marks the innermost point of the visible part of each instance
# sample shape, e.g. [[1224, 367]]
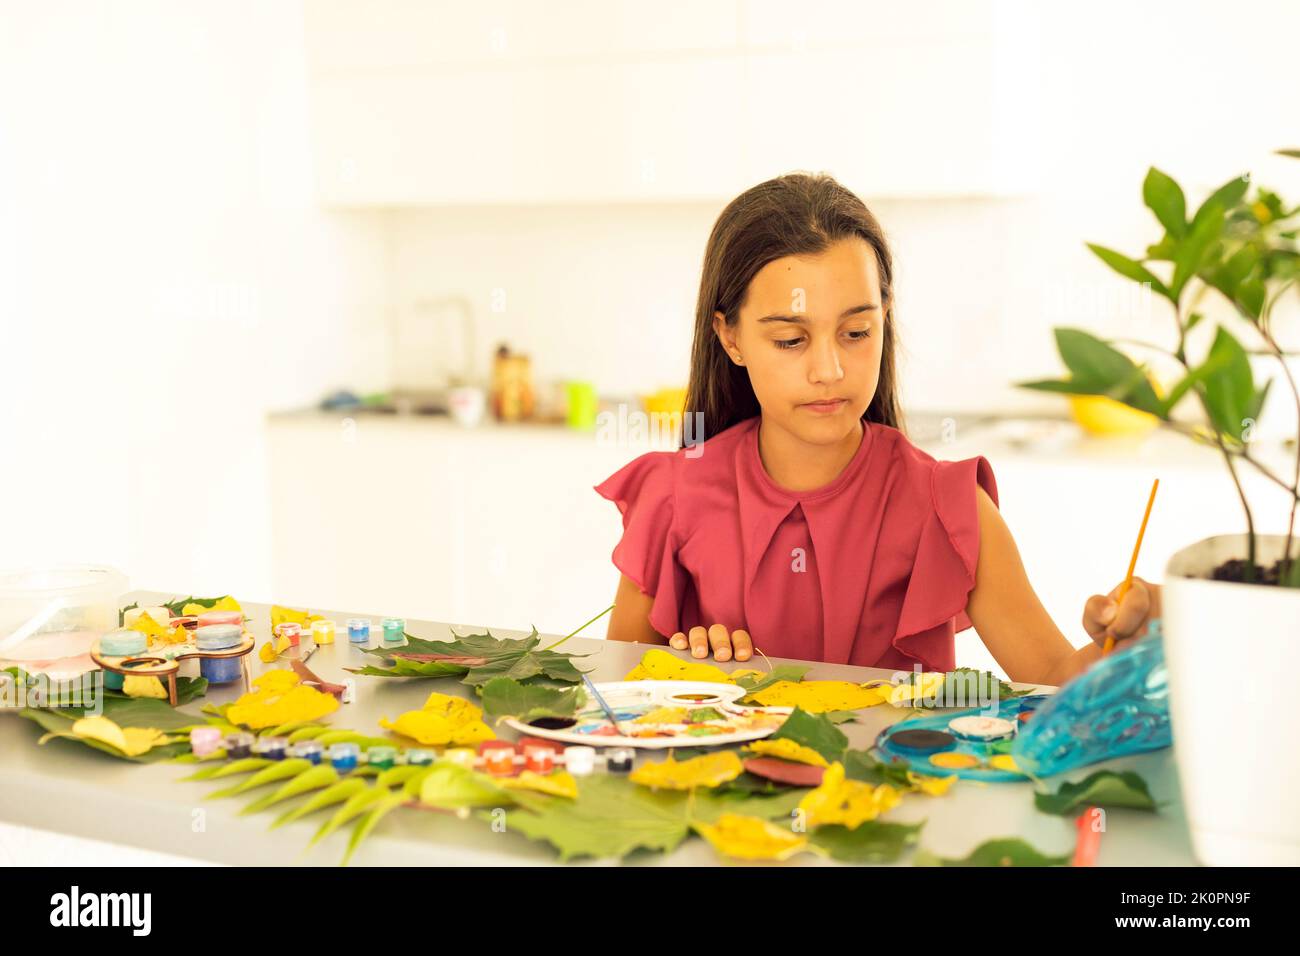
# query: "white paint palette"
[[658, 714]]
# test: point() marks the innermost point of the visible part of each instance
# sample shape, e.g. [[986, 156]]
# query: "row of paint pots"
[[323, 632], [497, 757]]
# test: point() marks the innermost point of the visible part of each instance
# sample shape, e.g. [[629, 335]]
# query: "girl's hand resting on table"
[[724, 644], [1126, 621]]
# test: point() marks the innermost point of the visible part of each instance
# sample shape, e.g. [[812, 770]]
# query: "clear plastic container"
[[49, 617]]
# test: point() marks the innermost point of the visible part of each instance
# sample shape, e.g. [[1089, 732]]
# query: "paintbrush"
[[603, 706], [1128, 578]]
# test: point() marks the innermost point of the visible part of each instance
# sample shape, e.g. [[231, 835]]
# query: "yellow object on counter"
[[1099, 415]]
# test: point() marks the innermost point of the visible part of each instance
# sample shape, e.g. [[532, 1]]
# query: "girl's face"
[[810, 334]]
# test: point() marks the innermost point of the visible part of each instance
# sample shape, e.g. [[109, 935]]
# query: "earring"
[[736, 356]]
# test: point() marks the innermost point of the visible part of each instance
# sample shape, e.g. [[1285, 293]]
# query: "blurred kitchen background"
[[253, 253]]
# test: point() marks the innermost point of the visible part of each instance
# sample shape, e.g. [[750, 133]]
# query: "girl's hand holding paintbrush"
[[1119, 616]]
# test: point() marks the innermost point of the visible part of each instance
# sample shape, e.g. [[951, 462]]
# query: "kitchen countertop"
[[68, 788]]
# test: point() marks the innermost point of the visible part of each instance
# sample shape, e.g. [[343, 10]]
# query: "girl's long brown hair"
[[794, 214]]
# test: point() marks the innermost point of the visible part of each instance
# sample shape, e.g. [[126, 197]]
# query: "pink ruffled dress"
[[872, 569]]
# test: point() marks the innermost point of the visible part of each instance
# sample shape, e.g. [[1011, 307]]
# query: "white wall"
[[165, 279]]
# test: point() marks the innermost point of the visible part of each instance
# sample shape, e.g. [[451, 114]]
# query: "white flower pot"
[[1233, 652]]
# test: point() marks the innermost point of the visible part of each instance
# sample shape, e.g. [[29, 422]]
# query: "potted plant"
[[1231, 603]]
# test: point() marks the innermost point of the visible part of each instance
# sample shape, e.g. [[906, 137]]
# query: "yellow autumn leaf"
[[925, 685], [709, 770], [131, 741], [147, 626], [137, 685], [444, 719], [176, 635], [288, 615], [1005, 762], [663, 715], [661, 665], [751, 838], [931, 786], [226, 603], [280, 699], [787, 749], [846, 802], [819, 696], [557, 784], [267, 653]]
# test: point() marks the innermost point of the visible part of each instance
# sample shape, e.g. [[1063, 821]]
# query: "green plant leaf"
[[612, 817], [1229, 385], [505, 696], [449, 786], [244, 765], [279, 770], [478, 657], [1004, 852], [340, 792], [1130, 269], [352, 808], [369, 820], [1196, 249], [753, 683], [314, 778], [815, 731], [1105, 788], [1226, 197], [872, 841], [1164, 197], [841, 716], [861, 765]]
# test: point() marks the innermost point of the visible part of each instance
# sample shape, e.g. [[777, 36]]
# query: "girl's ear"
[[726, 335]]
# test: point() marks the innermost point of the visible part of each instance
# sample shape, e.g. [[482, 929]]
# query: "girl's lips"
[[825, 408]]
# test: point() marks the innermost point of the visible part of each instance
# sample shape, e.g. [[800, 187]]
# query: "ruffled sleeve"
[[643, 490], [943, 575]]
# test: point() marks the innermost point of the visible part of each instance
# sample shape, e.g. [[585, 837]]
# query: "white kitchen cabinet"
[[516, 102]]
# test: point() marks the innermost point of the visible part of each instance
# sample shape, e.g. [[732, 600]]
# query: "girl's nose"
[[825, 367]]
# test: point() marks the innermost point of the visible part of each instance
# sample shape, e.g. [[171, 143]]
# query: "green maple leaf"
[[1003, 852], [478, 657], [813, 730], [872, 841], [860, 765], [505, 696], [1105, 788], [612, 816], [753, 683]]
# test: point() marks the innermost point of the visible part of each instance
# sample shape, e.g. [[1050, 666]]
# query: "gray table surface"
[[68, 788]]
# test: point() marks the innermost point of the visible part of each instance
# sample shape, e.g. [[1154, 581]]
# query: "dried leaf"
[[279, 699], [505, 696], [313, 778], [751, 838], [788, 749], [450, 786], [786, 772], [707, 771], [846, 802], [129, 741], [279, 770], [558, 783], [815, 732], [442, 720], [819, 696], [341, 791], [659, 664], [479, 657]]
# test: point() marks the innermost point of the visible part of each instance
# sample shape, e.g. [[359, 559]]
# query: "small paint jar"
[[381, 758], [291, 631], [359, 630], [219, 637], [579, 760], [498, 757], [461, 756], [344, 757], [539, 757], [124, 643], [307, 750], [394, 630], [205, 740], [272, 748], [322, 632], [239, 745], [619, 760], [208, 618], [419, 758]]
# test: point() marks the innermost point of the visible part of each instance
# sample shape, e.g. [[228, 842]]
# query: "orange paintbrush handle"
[[1132, 563]]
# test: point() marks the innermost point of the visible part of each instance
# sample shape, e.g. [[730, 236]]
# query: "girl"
[[806, 525]]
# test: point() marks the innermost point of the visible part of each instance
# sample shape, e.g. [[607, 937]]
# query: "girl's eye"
[[860, 334], [787, 343]]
